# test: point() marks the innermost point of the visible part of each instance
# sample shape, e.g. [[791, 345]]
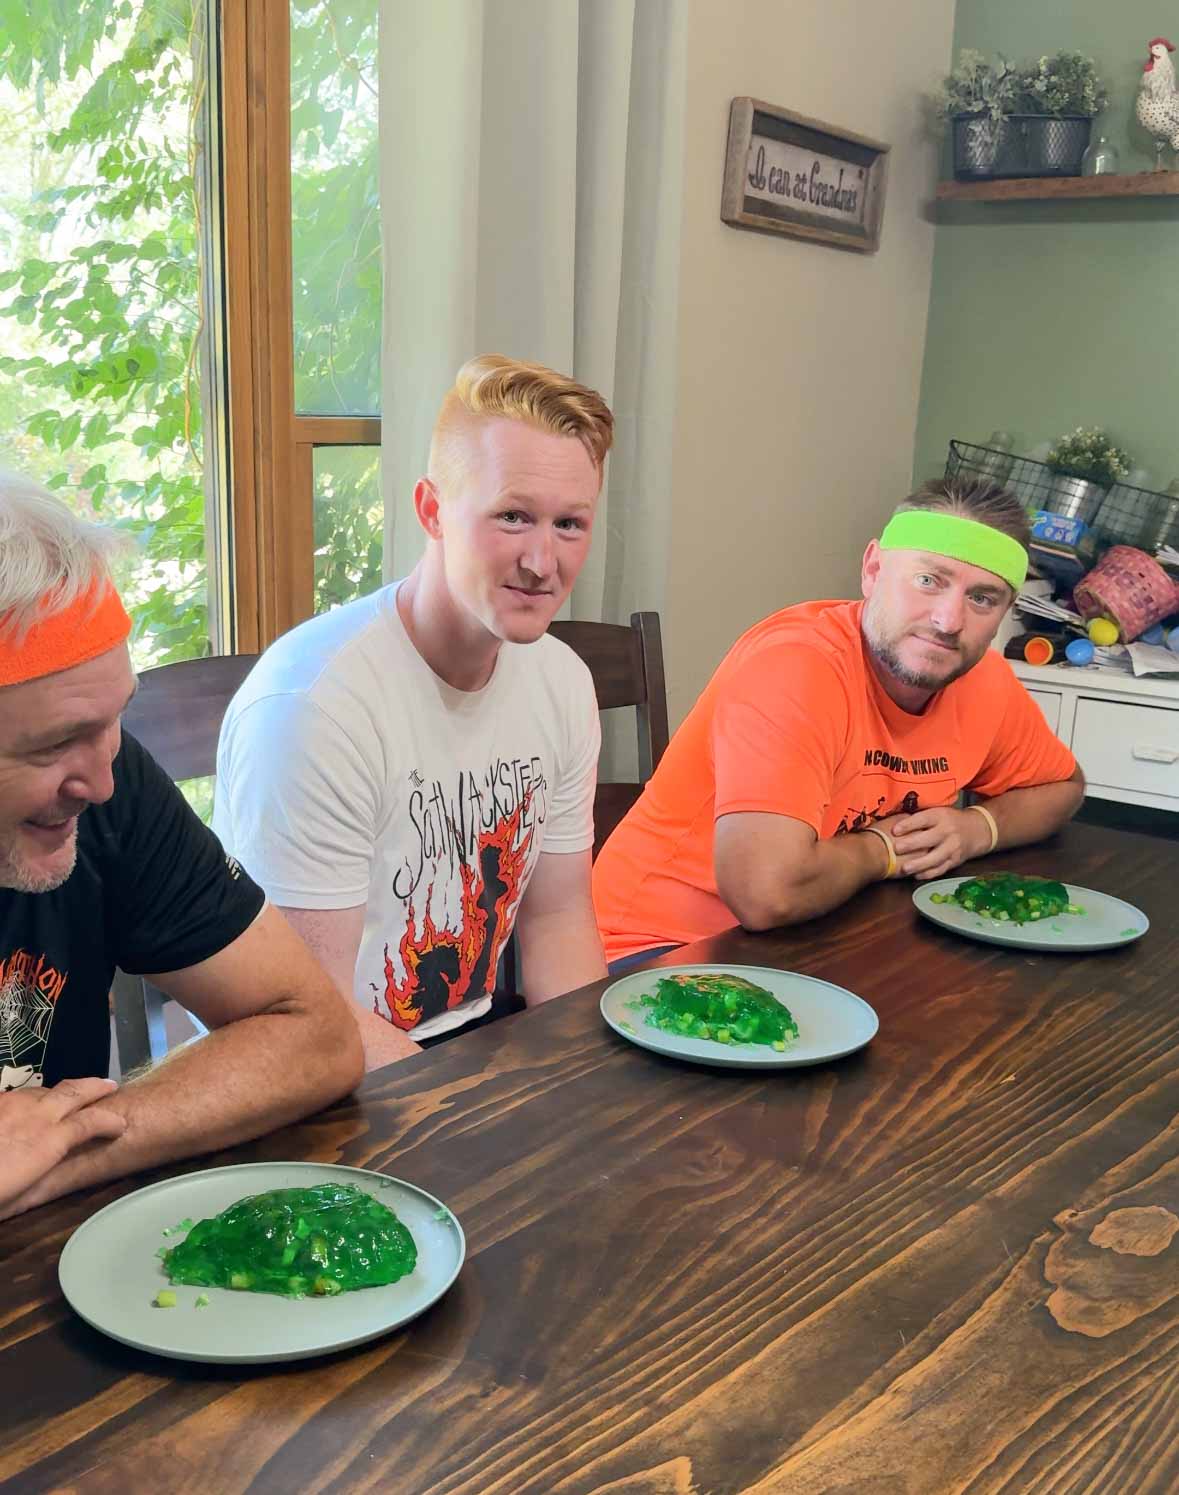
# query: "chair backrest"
[[627, 668], [177, 711], [176, 715]]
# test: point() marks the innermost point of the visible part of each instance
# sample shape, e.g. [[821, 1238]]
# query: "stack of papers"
[[1115, 657], [1153, 659], [1043, 607]]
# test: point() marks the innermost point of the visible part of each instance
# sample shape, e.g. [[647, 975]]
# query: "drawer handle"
[[1155, 754]]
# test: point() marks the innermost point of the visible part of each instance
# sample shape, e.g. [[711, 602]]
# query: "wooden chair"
[[627, 666], [176, 714], [177, 711]]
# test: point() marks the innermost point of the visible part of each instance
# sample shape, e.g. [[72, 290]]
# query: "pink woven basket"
[[1130, 588]]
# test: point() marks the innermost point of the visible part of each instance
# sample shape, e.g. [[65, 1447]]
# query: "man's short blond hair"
[[492, 387]]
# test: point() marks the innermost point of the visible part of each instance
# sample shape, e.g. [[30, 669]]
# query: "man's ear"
[[870, 567], [427, 506]]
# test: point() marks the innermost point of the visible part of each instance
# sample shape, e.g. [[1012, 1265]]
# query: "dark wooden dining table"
[[948, 1262]]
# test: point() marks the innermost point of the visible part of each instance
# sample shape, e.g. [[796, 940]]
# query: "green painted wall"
[[1045, 316]]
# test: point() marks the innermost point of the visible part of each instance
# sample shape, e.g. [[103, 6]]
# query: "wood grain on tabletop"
[[946, 1263]]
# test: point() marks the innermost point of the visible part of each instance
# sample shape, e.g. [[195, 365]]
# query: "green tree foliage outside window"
[[100, 273], [99, 378]]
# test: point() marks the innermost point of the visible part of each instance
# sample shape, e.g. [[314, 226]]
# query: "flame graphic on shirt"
[[444, 967]]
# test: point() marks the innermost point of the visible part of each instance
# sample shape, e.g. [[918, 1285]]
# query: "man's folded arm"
[[282, 1044], [1030, 814], [557, 934], [773, 870]]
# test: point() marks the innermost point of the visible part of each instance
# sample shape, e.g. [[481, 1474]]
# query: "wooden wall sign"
[[787, 174]]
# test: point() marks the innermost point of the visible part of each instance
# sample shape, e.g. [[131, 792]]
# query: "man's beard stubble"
[[19, 878], [885, 654]]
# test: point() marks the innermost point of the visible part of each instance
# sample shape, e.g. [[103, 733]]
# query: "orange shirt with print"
[[795, 722]]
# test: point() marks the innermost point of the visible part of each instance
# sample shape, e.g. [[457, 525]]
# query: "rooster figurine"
[[1158, 103]]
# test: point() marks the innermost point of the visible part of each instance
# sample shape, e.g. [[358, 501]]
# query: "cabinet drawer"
[[1120, 746], [1049, 703]]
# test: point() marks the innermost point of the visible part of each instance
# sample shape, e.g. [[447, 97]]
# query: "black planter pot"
[[1054, 144], [1019, 145], [984, 147]]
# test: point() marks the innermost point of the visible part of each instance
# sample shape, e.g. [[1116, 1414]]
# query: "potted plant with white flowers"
[[1087, 464], [975, 100], [1059, 97]]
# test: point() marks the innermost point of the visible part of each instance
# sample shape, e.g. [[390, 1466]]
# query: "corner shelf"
[[1046, 188]]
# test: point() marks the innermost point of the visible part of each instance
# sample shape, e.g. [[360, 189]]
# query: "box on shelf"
[[1056, 528]]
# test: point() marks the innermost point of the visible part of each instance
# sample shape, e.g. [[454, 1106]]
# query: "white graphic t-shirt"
[[349, 773]]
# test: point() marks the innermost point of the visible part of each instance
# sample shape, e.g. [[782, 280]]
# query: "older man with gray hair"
[[103, 864]]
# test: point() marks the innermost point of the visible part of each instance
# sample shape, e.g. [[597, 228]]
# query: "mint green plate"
[[1106, 923], [832, 1021], [109, 1271]]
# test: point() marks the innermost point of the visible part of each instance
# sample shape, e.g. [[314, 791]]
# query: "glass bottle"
[[1100, 158], [997, 460]]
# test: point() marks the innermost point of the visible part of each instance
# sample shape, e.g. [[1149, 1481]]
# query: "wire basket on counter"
[[1121, 515]]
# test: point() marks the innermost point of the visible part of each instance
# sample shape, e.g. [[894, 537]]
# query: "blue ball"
[[1173, 640], [1154, 634], [1079, 651]]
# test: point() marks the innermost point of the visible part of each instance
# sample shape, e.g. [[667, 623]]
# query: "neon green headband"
[[959, 539]]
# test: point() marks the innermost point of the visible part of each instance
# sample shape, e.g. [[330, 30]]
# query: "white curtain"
[[531, 164]]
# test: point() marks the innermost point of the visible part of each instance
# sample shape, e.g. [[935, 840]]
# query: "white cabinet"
[[1049, 703], [1124, 732], [1128, 747]]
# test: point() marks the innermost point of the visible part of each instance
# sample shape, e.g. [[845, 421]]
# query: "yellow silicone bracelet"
[[888, 846], [990, 820]]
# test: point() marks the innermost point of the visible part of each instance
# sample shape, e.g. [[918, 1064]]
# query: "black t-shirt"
[[152, 891]]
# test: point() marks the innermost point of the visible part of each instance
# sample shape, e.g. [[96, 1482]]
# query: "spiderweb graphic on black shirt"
[[25, 1018]]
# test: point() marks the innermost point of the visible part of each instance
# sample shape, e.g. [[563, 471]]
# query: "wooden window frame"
[[271, 448]]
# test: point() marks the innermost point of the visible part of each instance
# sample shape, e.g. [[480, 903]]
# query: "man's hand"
[[933, 842], [38, 1128]]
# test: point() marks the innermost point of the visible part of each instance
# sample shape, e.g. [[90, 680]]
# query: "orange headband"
[[96, 622]]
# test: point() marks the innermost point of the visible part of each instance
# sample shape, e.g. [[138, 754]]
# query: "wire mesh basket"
[[1121, 515]]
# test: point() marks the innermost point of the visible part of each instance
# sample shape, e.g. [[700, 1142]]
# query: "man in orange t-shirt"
[[829, 749]]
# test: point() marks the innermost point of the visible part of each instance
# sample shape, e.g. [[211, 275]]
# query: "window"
[[304, 305], [336, 287], [348, 523], [190, 299], [107, 235], [335, 218]]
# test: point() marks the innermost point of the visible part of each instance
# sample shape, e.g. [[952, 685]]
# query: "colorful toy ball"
[[1103, 633], [1173, 640], [1039, 650], [1079, 651], [1155, 634]]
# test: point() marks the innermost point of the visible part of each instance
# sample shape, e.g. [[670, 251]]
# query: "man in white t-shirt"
[[412, 775]]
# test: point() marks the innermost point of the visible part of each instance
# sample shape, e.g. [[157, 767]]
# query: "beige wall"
[[800, 365]]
